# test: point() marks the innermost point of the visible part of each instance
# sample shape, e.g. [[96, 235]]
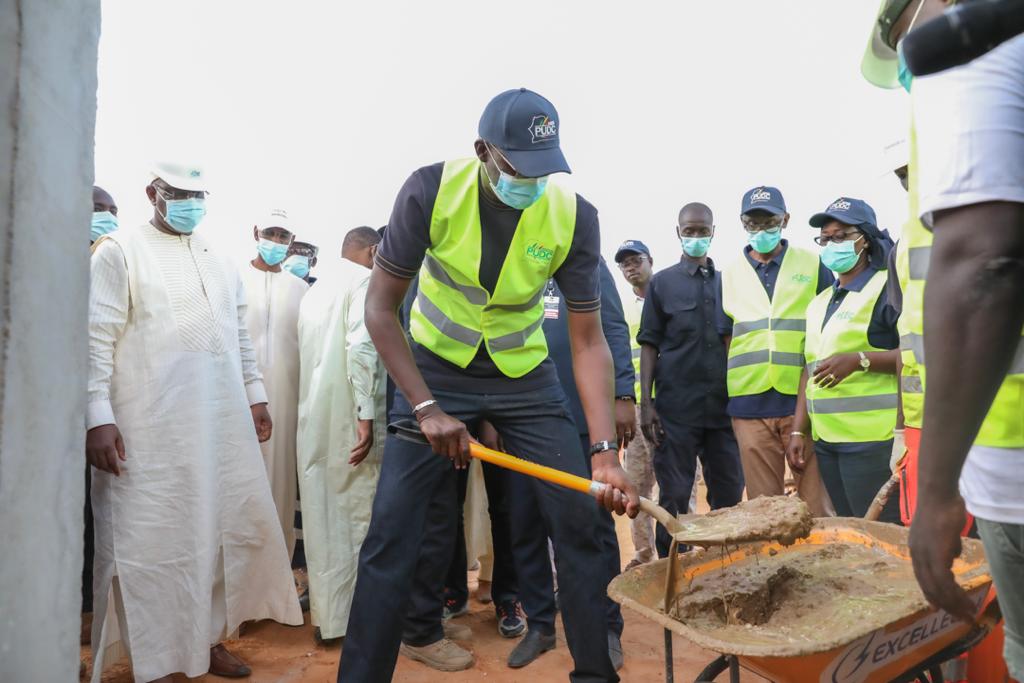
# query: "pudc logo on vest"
[[543, 128], [539, 252]]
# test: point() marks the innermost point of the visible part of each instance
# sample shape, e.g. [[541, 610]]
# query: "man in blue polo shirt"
[[763, 318]]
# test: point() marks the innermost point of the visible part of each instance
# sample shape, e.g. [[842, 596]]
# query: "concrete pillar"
[[47, 118]]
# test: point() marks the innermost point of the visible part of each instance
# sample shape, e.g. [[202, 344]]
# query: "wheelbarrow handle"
[[410, 431], [882, 497]]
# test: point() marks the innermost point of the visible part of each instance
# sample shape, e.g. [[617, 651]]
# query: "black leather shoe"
[[533, 645], [615, 650]]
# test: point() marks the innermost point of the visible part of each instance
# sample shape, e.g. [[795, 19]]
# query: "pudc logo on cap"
[[760, 195], [524, 127], [839, 205], [542, 128]]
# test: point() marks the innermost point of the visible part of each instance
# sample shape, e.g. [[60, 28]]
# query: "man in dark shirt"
[[485, 234], [682, 358], [530, 547]]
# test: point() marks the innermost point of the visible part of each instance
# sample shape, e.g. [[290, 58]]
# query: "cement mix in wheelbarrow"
[[793, 597]]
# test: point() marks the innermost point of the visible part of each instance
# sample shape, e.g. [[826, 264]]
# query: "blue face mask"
[[695, 246], [102, 223], [765, 241], [297, 265], [272, 253], [518, 193], [183, 215], [841, 257], [902, 70]]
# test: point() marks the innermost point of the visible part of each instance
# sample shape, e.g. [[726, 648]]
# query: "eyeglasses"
[[172, 193], [695, 231], [632, 262], [752, 226], [852, 235]]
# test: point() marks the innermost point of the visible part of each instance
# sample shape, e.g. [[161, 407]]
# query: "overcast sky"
[[324, 108]]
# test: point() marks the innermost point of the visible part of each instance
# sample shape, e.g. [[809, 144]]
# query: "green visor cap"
[[879, 65]]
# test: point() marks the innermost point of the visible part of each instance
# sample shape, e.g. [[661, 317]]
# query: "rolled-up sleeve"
[[251, 375], [364, 372], [108, 315], [652, 320]]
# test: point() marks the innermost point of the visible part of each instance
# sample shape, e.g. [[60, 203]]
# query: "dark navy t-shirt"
[[408, 237]]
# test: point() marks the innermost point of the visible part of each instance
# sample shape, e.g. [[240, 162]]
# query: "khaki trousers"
[[640, 468], [762, 443]]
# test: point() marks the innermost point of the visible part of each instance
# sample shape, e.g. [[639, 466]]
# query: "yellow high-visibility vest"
[[863, 406], [453, 314]]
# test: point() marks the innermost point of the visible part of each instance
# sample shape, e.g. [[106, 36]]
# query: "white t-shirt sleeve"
[[970, 132]]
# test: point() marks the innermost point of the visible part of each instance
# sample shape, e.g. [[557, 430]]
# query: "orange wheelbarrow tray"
[[857, 653]]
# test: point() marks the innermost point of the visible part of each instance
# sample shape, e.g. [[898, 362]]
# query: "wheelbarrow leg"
[[669, 672], [734, 669]]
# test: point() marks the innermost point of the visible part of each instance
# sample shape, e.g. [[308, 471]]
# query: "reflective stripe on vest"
[[768, 334], [453, 313], [863, 406]]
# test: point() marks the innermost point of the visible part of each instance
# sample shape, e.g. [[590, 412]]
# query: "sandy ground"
[[283, 654]]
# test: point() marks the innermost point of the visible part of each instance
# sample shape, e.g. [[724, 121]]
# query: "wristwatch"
[[626, 397], [865, 362], [601, 447]]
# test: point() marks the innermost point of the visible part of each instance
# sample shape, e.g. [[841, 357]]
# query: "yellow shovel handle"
[[569, 481], [532, 469]]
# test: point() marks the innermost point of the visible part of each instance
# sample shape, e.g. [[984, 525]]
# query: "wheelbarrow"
[[905, 649]]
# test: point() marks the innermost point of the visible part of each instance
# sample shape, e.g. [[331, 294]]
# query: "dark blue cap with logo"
[[846, 210], [524, 126], [764, 198], [631, 247]]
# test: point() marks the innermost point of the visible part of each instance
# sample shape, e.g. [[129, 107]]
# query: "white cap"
[[896, 155], [275, 218], [180, 176]]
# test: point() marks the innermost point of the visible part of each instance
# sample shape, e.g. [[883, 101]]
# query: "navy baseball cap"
[[764, 198], [631, 247], [524, 126], [846, 210]]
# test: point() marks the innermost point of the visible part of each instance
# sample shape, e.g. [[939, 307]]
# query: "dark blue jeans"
[[853, 473], [530, 550], [417, 491], [504, 587], [675, 468]]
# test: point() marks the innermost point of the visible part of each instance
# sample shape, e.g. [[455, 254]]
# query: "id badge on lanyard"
[[551, 301]]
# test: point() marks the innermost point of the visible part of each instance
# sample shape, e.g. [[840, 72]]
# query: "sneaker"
[[454, 608], [444, 655], [511, 622]]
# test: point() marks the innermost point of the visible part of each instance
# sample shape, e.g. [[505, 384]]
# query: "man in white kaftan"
[[188, 545], [341, 430], [273, 295]]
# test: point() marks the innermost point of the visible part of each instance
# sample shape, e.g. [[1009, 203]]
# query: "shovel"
[[729, 526]]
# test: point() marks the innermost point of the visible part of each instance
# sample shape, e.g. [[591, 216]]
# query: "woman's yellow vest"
[[863, 406]]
